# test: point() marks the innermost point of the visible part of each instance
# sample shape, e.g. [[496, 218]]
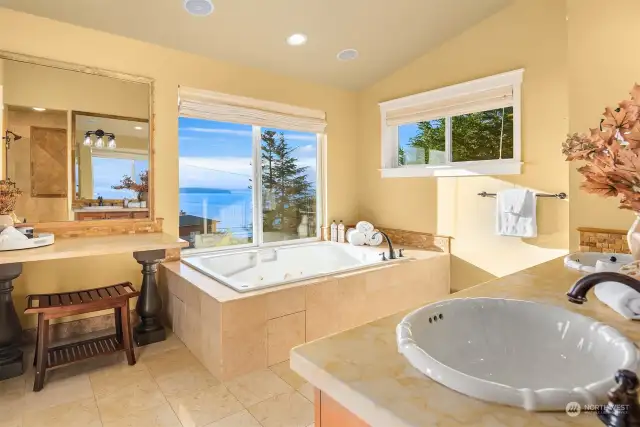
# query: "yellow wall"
[[595, 84], [27, 34], [529, 35]]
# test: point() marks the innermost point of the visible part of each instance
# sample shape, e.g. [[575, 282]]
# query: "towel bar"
[[560, 196]]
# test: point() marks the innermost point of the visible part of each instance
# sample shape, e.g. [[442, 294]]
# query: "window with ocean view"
[[243, 184]]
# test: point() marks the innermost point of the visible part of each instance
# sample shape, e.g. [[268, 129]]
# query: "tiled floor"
[[168, 387]]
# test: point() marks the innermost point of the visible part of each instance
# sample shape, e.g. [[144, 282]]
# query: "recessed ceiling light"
[[39, 109], [297, 39], [199, 7], [138, 128], [348, 55]]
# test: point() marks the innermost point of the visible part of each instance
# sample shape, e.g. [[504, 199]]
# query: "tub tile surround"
[[603, 240], [362, 370], [168, 387], [233, 333], [413, 239]]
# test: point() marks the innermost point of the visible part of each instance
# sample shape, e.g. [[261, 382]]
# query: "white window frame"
[[257, 214], [389, 134]]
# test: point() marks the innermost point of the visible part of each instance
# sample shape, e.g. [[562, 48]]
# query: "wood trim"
[[101, 227]]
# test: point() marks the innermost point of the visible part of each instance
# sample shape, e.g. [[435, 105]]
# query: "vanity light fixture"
[[100, 134], [39, 109], [297, 39]]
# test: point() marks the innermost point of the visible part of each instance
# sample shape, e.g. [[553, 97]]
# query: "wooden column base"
[[11, 364], [149, 305]]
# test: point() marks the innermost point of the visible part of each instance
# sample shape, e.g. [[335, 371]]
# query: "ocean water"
[[234, 210]]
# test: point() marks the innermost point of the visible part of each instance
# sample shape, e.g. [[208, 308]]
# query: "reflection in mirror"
[[111, 166], [76, 144]]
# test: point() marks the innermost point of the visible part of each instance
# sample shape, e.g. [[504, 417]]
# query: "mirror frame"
[[36, 60]]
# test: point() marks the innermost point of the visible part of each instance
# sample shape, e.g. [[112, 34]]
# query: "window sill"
[[460, 169]]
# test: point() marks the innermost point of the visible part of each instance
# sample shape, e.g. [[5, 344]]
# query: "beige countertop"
[[362, 370], [223, 293], [115, 209], [76, 247]]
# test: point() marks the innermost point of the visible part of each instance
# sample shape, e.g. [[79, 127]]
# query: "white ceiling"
[[388, 34]]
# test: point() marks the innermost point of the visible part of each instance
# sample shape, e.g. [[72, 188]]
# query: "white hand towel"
[[516, 213], [355, 237], [11, 233], [373, 238], [620, 298], [364, 226]]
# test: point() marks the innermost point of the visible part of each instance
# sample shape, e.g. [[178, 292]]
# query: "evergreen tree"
[[286, 188]]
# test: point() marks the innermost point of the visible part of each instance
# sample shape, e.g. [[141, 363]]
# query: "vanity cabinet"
[[88, 216], [329, 413]]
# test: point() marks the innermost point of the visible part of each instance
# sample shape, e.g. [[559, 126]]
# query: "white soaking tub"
[[251, 269]]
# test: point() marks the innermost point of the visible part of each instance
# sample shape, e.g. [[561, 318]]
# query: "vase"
[[633, 238], [5, 221]]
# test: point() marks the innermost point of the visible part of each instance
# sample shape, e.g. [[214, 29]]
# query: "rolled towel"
[[373, 238], [364, 226], [620, 298], [355, 237]]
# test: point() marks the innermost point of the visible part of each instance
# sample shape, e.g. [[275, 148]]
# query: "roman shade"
[[221, 107], [435, 108]]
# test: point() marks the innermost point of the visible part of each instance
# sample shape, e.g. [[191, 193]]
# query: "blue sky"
[[108, 172], [218, 155]]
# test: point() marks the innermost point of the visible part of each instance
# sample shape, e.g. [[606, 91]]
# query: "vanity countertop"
[[115, 209], [362, 370], [76, 247]]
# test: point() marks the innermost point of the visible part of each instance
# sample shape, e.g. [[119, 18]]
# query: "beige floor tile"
[[82, 413], [58, 391], [171, 343], [113, 379], [13, 421], [170, 361], [129, 400], [191, 380], [284, 410], [159, 416], [241, 419], [308, 391], [288, 375], [204, 407], [257, 386], [12, 397]]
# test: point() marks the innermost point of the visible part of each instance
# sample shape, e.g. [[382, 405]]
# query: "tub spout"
[[392, 253]]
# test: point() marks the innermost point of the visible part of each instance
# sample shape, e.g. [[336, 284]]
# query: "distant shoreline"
[[201, 190]]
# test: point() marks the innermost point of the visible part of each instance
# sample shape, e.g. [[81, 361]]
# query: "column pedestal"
[[10, 330], [149, 304]]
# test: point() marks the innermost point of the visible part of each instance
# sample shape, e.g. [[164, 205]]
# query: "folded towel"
[[620, 298], [11, 233], [373, 238], [355, 237], [516, 213], [364, 226]]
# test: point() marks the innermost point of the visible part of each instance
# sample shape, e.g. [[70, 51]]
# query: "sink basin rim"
[[540, 399], [571, 261]]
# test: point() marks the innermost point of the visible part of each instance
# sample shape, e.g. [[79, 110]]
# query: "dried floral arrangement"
[[127, 183], [611, 153], [9, 194]]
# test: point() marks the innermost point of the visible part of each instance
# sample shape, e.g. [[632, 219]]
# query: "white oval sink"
[[586, 261], [518, 353]]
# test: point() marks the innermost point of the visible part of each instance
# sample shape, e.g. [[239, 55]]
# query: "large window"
[[247, 185], [472, 128]]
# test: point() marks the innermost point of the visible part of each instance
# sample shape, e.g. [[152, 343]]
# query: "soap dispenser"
[[334, 232], [341, 232]]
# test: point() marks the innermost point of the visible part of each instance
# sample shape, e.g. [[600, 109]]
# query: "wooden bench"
[[53, 306]]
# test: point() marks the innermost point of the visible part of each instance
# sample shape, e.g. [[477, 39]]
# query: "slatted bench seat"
[[53, 306]]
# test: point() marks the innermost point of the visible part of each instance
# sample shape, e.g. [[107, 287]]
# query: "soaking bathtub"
[[252, 269]]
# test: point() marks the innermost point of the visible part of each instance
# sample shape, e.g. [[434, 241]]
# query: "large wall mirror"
[[77, 144]]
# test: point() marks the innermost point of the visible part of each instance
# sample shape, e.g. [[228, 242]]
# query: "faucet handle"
[[400, 254], [623, 408], [384, 256]]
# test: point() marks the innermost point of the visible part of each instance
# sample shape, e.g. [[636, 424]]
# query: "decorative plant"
[[9, 194], [611, 153], [127, 183]]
